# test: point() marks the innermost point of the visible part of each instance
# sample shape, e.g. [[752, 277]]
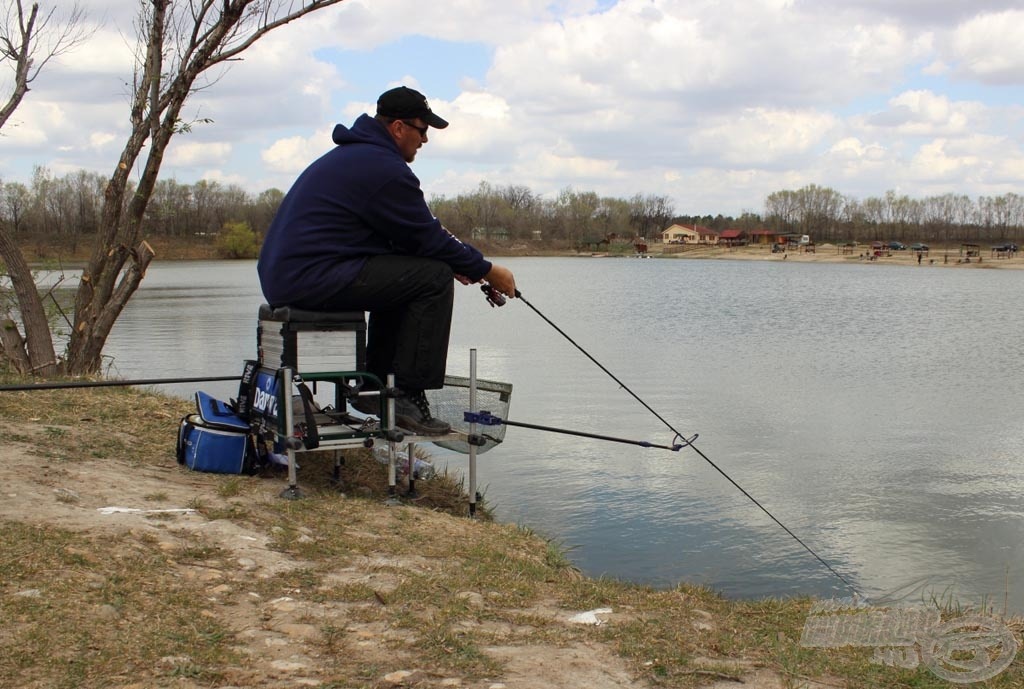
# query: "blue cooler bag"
[[216, 439]]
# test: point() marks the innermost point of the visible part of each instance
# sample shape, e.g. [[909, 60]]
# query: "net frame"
[[452, 401]]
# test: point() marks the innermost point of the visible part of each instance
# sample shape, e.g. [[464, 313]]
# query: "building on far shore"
[[681, 234], [764, 236], [733, 238]]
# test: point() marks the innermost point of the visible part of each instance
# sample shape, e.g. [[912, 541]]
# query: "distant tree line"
[[518, 213], [827, 215], [67, 209]]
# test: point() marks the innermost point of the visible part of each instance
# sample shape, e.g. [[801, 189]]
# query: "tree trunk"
[[36, 350], [92, 333]]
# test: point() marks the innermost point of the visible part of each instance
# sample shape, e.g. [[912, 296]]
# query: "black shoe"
[[368, 405], [412, 411]]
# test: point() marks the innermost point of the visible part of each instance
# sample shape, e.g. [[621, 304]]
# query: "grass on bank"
[[84, 609]]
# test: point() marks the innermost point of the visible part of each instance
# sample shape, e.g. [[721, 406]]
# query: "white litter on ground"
[[136, 510], [590, 616]]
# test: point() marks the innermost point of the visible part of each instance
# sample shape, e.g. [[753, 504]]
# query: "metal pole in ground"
[[472, 433], [288, 439], [392, 446], [411, 468]]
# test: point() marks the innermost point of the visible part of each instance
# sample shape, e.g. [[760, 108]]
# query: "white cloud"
[[294, 153], [192, 154], [759, 136], [990, 47], [551, 165], [371, 24], [926, 113], [224, 178], [934, 162], [100, 140]]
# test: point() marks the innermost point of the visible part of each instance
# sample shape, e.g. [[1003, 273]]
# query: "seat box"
[[311, 341]]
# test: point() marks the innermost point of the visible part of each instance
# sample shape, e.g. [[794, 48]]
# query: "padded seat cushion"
[[289, 314]]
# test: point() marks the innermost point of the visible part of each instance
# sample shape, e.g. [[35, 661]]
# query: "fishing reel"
[[494, 297]]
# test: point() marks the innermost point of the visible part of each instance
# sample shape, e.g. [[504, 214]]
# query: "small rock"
[[67, 495], [107, 612], [29, 593], [96, 582], [399, 677], [451, 682], [174, 661], [223, 588], [288, 665], [285, 604], [246, 563], [473, 598], [298, 631]]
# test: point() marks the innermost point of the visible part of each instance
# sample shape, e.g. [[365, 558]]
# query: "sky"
[[712, 103]]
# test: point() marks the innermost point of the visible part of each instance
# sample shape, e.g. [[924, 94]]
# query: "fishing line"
[[689, 443]]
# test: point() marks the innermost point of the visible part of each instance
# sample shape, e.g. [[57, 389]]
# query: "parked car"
[[918, 246], [897, 246]]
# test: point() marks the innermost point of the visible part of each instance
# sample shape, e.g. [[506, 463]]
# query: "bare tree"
[[28, 41], [179, 43]]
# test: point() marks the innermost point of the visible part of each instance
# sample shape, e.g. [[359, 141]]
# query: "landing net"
[[452, 401]]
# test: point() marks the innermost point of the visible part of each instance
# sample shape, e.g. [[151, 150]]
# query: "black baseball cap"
[[404, 103]]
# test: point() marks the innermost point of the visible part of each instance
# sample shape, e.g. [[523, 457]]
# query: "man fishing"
[[355, 233]]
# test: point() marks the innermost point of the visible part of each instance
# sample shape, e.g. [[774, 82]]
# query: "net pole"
[[392, 445], [472, 432]]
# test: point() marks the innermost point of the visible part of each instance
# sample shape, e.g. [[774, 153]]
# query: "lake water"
[[874, 410]]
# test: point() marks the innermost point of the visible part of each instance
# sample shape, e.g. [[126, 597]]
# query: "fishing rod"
[[495, 298], [485, 418], [109, 383]]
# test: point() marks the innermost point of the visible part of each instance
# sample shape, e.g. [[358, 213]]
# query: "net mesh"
[[452, 401]]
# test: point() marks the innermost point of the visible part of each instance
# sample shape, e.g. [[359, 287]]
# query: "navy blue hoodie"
[[359, 200]]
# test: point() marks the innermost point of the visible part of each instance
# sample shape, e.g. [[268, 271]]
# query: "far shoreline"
[[823, 253], [40, 254]]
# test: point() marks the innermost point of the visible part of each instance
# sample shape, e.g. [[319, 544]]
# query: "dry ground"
[[120, 569], [289, 604]]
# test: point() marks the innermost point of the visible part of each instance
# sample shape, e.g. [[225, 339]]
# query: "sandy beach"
[[941, 257]]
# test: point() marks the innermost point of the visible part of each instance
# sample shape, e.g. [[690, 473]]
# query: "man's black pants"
[[410, 303]]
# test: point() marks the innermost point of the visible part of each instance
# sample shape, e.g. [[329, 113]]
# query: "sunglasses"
[[421, 130]]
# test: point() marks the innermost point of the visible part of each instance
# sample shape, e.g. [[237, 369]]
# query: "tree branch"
[[30, 42]]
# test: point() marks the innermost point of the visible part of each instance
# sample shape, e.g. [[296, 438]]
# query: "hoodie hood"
[[364, 130]]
